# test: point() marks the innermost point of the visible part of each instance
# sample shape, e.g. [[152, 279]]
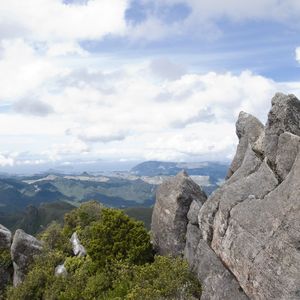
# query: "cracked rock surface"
[[244, 240], [23, 250], [169, 219]]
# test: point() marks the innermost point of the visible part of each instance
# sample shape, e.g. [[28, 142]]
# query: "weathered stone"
[[194, 211], [283, 117], [257, 185], [169, 219], [78, 248], [288, 146], [248, 130], [217, 282], [209, 209], [5, 237], [258, 147], [193, 236], [23, 250], [61, 270]]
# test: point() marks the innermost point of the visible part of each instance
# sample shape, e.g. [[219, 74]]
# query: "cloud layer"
[[65, 97]]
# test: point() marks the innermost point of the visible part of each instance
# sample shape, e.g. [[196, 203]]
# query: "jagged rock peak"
[[169, 219], [23, 250], [246, 240], [248, 130], [247, 124], [284, 116], [280, 98]]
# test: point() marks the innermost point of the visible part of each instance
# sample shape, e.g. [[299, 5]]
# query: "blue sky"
[[120, 81]]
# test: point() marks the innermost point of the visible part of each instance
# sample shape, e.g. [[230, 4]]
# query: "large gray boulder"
[[248, 130], [5, 237], [169, 219], [283, 117], [23, 250], [5, 260]]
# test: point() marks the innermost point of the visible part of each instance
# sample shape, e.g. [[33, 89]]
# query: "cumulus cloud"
[[203, 17], [6, 160], [101, 133], [33, 107], [65, 48], [165, 69], [54, 20], [23, 70]]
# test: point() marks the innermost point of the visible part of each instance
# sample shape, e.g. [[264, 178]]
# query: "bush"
[[82, 216], [5, 259], [119, 264], [165, 278], [117, 237], [55, 238], [40, 276]]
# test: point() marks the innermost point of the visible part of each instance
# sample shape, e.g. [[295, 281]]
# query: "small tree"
[[117, 237]]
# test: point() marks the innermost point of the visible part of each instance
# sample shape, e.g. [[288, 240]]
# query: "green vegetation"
[[5, 259], [119, 265]]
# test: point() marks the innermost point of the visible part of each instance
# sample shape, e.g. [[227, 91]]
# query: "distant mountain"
[[17, 193], [214, 172], [33, 201]]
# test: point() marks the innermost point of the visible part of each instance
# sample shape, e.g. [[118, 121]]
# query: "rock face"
[[248, 130], [23, 249], [245, 241], [5, 262], [78, 249], [169, 219]]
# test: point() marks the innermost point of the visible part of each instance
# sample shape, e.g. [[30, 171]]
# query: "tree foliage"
[[119, 264], [117, 237]]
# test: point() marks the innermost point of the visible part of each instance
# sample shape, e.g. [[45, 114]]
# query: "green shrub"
[[5, 259], [39, 277], [82, 216], [119, 264], [55, 238], [117, 237]]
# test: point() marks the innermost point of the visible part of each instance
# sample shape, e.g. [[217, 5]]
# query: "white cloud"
[[52, 20], [138, 111], [23, 70], [204, 17], [6, 160], [297, 52], [65, 48]]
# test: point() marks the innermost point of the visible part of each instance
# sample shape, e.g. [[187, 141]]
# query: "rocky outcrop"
[[249, 130], [6, 270], [245, 241], [283, 117], [77, 247], [169, 219], [23, 250]]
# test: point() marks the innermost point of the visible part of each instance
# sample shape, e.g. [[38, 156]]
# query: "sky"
[[90, 81]]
